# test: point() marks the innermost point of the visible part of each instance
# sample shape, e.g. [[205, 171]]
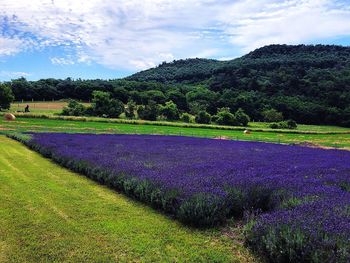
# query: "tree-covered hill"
[[307, 83], [183, 71]]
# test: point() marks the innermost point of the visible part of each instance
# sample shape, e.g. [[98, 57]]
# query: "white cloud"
[[61, 61], [9, 46], [137, 34], [290, 22], [14, 74]]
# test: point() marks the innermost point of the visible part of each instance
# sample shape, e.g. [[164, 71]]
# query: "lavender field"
[[295, 200]]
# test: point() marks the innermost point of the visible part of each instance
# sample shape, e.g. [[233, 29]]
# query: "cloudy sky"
[[114, 38]]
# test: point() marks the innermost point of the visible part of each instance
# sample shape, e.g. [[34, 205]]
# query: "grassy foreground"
[[49, 214], [340, 140]]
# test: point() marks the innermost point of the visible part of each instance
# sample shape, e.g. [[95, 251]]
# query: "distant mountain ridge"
[[197, 70]]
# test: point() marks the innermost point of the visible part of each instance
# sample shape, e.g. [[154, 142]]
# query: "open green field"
[[49, 214], [340, 140], [55, 107], [42, 107]]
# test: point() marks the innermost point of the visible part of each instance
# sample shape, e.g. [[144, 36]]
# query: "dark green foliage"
[[6, 97], [130, 110], [74, 108], [187, 71], [225, 117], [289, 124], [170, 111], [185, 117], [309, 84], [272, 115], [203, 117], [149, 111], [121, 94], [104, 106], [241, 117]]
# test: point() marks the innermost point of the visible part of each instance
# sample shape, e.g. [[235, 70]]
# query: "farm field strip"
[[46, 125], [40, 107], [48, 213], [302, 193]]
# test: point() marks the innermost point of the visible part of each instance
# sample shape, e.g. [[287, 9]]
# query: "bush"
[[74, 108], [225, 117], [104, 106], [130, 110], [241, 117], [203, 117], [185, 117], [6, 97], [290, 124], [170, 111], [148, 112], [272, 115]]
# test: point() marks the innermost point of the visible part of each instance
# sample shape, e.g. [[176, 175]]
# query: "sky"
[[110, 39]]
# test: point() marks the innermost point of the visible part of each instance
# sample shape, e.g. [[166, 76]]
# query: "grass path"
[[49, 214]]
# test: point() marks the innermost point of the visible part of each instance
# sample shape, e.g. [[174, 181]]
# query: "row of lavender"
[[301, 194]]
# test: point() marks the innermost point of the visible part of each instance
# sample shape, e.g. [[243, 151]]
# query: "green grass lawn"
[[303, 127], [341, 140], [41, 107], [49, 214]]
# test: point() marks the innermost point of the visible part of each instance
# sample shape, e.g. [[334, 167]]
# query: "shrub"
[[203, 117], [186, 117], [170, 111], [241, 117], [272, 115], [148, 112], [289, 124], [103, 105], [6, 97], [74, 108], [130, 110], [225, 117]]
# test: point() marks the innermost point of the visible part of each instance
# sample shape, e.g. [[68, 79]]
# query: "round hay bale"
[[9, 117], [247, 132]]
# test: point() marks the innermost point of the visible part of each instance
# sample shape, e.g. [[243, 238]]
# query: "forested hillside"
[[309, 84]]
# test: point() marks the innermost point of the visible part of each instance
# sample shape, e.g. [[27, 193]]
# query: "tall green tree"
[[103, 105], [170, 111], [149, 111], [6, 97]]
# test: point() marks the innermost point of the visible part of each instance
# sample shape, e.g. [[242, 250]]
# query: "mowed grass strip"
[[49, 214], [47, 125]]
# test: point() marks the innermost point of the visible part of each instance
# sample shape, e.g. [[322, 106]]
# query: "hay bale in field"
[[247, 132], [9, 117]]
